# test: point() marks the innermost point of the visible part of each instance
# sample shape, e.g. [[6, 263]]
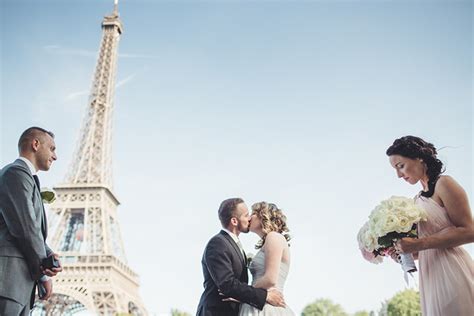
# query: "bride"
[[271, 264]]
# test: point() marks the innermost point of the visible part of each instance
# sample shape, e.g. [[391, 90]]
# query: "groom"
[[23, 226], [225, 269]]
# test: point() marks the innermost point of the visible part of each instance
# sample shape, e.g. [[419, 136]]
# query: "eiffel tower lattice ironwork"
[[83, 220]]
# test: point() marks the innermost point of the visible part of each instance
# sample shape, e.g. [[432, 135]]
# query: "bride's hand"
[[275, 297], [228, 299]]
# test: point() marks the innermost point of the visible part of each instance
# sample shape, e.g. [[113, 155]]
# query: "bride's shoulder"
[[275, 237]]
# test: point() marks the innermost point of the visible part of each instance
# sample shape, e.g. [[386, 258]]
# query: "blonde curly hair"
[[273, 220]]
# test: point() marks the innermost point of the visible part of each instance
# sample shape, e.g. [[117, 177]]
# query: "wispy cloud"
[[59, 50], [74, 95], [137, 56], [125, 81]]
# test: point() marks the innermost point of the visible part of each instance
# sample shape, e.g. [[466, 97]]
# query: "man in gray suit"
[[23, 227]]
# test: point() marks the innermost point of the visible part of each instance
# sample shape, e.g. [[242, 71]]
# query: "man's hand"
[[48, 286], [52, 272], [275, 298]]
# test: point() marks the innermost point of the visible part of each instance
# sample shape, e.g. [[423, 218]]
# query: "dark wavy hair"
[[414, 147]]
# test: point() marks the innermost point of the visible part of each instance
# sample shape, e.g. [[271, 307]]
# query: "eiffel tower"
[[83, 224]]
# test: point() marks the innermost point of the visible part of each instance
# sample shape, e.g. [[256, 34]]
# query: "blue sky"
[[293, 102]]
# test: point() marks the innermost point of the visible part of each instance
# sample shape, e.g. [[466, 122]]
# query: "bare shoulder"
[[455, 201], [275, 238], [447, 185], [445, 179]]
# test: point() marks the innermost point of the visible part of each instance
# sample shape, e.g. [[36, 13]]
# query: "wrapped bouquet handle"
[[408, 265], [408, 262]]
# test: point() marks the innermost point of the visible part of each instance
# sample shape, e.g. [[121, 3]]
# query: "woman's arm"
[[456, 204], [274, 246]]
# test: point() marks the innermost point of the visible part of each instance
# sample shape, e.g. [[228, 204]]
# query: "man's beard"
[[243, 229]]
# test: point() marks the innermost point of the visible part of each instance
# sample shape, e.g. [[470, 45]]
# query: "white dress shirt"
[[29, 164], [236, 239]]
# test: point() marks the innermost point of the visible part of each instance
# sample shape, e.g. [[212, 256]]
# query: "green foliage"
[[177, 312], [404, 303], [388, 240], [323, 307], [365, 313]]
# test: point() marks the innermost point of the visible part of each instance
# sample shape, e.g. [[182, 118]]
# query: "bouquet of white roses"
[[392, 219]]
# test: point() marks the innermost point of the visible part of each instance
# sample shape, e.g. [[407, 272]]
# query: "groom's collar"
[[29, 164], [231, 234]]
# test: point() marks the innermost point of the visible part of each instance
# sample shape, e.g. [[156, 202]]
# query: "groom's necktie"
[[44, 223], [37, 181]]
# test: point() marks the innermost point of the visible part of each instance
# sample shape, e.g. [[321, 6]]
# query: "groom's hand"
[[275, 298], [51, 272], [48, 289]]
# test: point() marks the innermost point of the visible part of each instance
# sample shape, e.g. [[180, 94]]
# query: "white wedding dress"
[[257, 268]]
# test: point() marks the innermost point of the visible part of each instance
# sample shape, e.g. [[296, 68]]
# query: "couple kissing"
[[224, 263]]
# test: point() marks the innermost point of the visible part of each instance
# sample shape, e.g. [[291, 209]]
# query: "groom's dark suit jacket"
[[224, 269], [23, 232]]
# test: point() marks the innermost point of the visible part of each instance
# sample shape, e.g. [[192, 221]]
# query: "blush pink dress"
[[446, 275]]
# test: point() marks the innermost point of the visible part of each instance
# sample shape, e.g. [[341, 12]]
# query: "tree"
[[364, 313], [404, 303], [323, 307], [177, 312]]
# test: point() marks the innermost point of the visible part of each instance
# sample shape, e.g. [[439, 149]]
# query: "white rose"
[[405, 224], [366, 239]]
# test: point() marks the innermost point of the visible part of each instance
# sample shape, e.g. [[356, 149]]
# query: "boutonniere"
[[48, 195], [249, 258]]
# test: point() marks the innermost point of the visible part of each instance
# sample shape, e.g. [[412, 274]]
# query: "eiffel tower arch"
[[83, 223]]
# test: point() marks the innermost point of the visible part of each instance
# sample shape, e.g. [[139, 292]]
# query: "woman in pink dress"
[[446, 270]]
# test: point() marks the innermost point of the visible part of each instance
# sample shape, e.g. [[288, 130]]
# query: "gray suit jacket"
[[23, 232]]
